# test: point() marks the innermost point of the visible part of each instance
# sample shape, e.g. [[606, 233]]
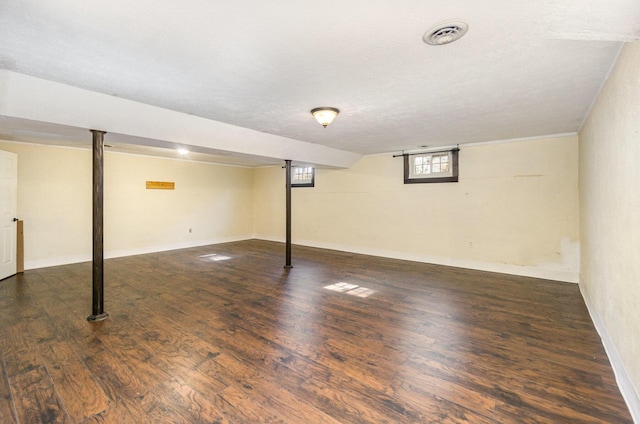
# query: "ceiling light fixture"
[[325, 115], [445, 33]]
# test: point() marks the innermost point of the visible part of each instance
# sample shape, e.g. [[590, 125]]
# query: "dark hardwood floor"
[[194, 337]]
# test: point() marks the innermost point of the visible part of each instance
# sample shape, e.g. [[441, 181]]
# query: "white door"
[[8, 210]]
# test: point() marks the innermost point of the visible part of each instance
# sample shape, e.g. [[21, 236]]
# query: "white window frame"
[[412, 165], [299, 179]]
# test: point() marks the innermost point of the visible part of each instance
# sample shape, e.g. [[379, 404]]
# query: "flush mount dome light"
[[325, 115], [445, 33]]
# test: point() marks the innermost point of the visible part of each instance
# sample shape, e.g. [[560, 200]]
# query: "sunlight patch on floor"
[[213, 257], [352, 289]]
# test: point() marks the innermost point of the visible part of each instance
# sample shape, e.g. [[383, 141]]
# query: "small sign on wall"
[[161, 185]]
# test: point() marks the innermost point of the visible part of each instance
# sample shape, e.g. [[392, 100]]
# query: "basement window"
[[303, 176], [433, 167]]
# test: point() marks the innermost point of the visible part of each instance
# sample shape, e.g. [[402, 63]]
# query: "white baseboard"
[[163, 248], [629, 392], [66, 260], [56, 261], [535, 272]]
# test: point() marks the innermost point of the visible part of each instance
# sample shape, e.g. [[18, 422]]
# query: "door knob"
[[15, 219]]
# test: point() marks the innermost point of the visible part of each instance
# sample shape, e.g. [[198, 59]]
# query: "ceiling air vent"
[[445, 33]]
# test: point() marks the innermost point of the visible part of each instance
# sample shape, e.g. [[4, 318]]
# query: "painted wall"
[[514, 210], [610, 217], [54, 200]]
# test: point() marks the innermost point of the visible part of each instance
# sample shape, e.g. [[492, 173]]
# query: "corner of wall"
[[627, 389], [546, 273]]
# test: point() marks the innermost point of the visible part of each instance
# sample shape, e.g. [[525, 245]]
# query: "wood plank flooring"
[[223, 334]]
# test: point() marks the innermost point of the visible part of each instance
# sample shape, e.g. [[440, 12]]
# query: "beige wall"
[[54, 200], [610, 215], [514, 210]]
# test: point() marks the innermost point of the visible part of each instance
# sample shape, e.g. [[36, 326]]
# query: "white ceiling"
[[524, 69]]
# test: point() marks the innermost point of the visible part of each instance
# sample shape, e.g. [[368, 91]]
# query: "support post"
[[98, 313], [288, 208]]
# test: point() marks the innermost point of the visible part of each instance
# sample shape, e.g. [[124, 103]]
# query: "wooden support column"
[[288, 207], [98, 313]]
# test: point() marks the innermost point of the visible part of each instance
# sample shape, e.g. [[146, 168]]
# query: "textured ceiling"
[[524, 69]]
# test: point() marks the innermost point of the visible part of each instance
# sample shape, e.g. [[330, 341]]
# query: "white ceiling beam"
[[35, 99]]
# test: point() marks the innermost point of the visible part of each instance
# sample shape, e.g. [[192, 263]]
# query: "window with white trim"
[[303, 176], [433, 167]]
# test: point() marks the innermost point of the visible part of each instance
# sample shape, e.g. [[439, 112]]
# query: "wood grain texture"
[[192, 339], [6, 406]]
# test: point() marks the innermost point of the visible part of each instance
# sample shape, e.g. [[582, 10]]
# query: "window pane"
[[302, 175], [422, 165], [307, 173], [439, 163]]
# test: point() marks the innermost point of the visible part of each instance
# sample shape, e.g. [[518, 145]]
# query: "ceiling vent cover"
[[445, 33]]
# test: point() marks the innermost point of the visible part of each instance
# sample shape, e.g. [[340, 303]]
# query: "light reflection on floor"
[[213, 257], [352, 289]]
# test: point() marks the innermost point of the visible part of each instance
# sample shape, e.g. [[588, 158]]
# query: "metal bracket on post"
[[98, 313]]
